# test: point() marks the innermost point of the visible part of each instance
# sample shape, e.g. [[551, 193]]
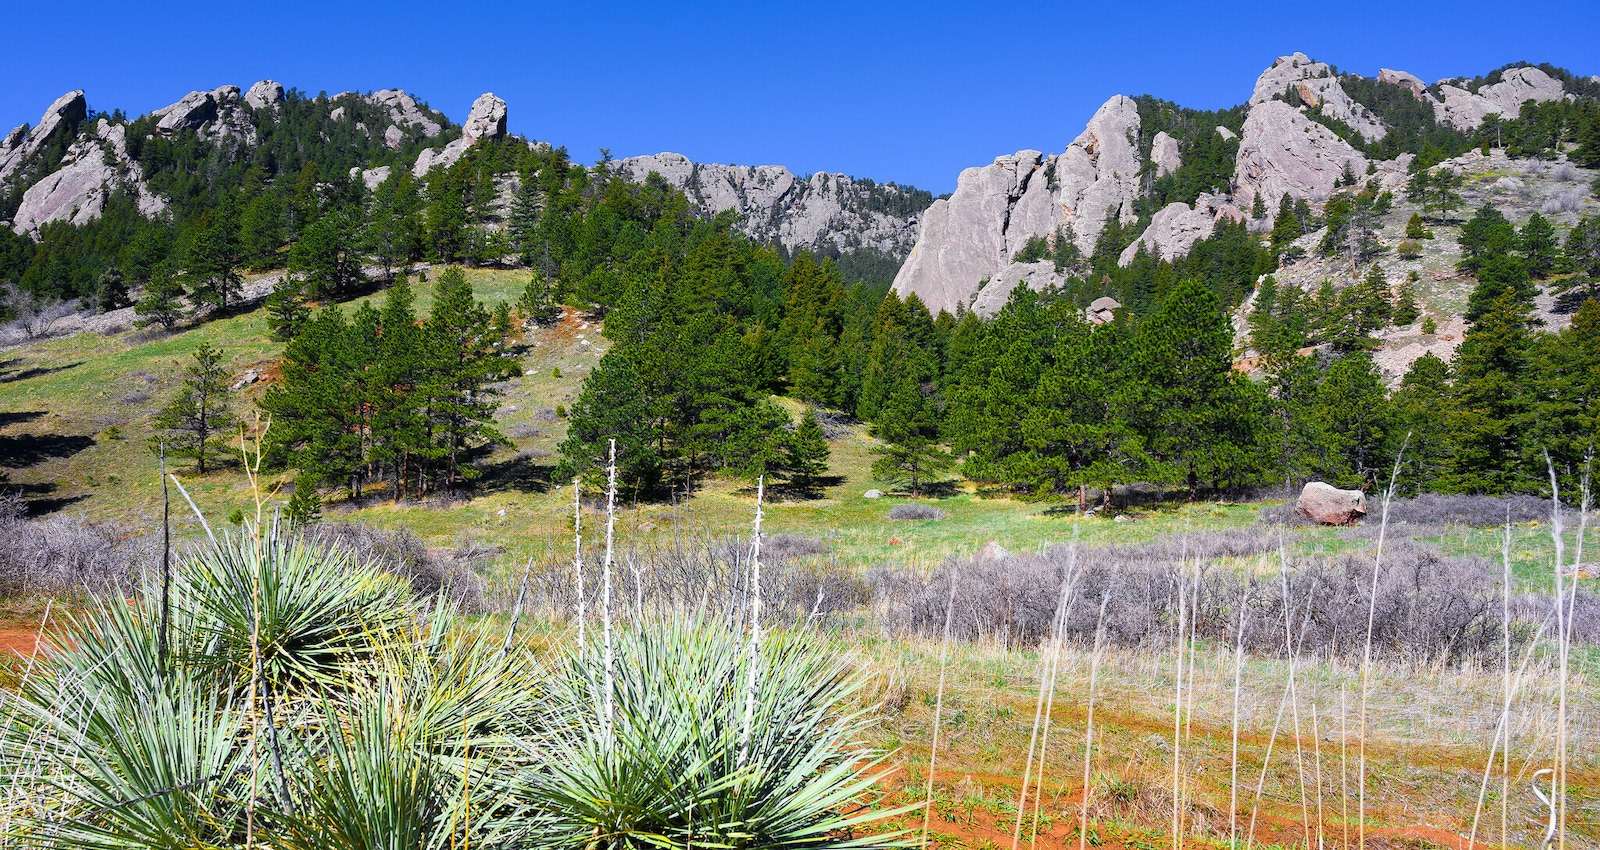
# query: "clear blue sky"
[[911, 92]]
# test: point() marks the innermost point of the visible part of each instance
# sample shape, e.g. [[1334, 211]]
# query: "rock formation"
[[1411, 82], [1465, 110], [1039, 277], [997, 208], [266, 94], [487, 120], [1284, 151], [1314, 84], [94, 166], [22, 143], [403, 110], [1164, 154], [825, 212], [1176, 227]]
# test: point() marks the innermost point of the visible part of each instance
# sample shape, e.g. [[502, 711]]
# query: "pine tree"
[[161, 304], [212, 262], [536, 306], [1353, 410], [807, 460], [1406, 311], [286, 306], [327, 258], [910, 455], [462, 364], [612, 406], [1539, 247], [1415, 229], [1420, 425], [523, 220], [305, 506], [1489, 412], [199, 417], [111, 291]]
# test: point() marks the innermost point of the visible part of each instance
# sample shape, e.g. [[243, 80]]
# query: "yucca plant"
[[669, 774]]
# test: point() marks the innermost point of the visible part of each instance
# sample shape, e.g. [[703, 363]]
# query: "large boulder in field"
[[1328, 505]]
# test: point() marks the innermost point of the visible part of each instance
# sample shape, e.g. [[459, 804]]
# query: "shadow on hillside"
[[11, 375], [1568, 303], [38, 500], [519, 473], [24, 450], [17, 417]]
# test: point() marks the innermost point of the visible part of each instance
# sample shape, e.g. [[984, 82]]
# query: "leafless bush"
[[1565, 172], [835, 424], [914, 511], [524, 431], [545, 415], [135, 397], [453, 573], [35, 315], [1566, 201], [707, 574], [1429, 606], [61, 555], [1485, 511]]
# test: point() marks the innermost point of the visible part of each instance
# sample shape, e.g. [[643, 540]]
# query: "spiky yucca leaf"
[[321, 613], [109, 755], [670, 776]]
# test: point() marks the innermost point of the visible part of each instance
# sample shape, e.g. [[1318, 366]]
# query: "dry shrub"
[[1482, 511], [914, 511], [835, 424], [60, 555], [1430, 607], [1565, 172], [452, 573], [1566, 201], [524, 431]]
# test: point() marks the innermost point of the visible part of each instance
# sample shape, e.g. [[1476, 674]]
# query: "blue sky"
[[910, 92]]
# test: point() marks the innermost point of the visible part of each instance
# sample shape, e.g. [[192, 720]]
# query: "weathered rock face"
[[1038, 277], [20, 146], [827, 212], [487, 120], [193, 112], [997, 208], [403, 110], [1466, 110], [1284, 151], [1328, 505], [1164, 153], [1176, 227], [371, 177], [1317, 88], [266, 94], [1410, 82], [394, 137], [1102, 310], [94, 166]]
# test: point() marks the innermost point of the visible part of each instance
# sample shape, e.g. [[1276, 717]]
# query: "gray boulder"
[[403, 110], [266, 94], [993, 553], [1225, 133], [1039, 277], [394, 137], [1328, 505], [1102, 310]]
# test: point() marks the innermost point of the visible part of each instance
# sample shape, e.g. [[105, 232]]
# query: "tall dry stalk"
[[1238, 678], [166, 567], [1316, 739], [753, 676], [938, 708], [605, 599], [1060, 629], [1294, 691], [1088, 726], [577, 551], [1177, 715], [1366, 656], [1046, 684]]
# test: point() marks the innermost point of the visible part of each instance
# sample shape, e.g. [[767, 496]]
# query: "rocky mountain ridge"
[[65, 167], [1287, 145]]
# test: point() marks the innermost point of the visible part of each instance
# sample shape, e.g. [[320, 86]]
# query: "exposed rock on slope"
[[1316, 87], [1465, 110], [21, 143], [487, 120], [1284, 151], [93, 168], [1176, 227], [825, 212], [266, 94], [994, 295], [996, 209]]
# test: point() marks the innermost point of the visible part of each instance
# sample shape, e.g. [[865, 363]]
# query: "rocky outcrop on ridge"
[[1316, 87], [266, 94], [997, 208], [1164, 154], [824, 212], [23, 142], [94, 167], [1284, 151], [487, 120], [1176, 227], [1465, 110]]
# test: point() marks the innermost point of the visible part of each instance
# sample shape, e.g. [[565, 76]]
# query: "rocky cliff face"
[[967, 243], [825, 212]]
